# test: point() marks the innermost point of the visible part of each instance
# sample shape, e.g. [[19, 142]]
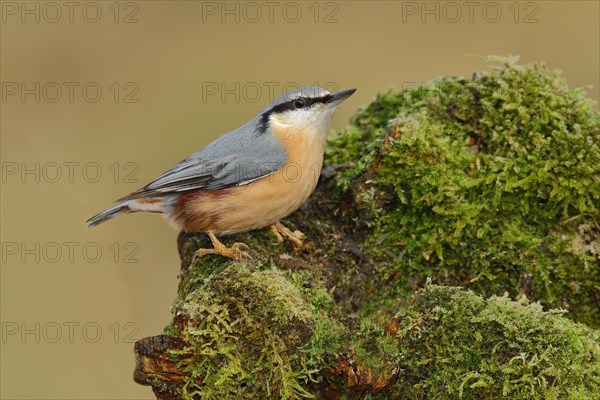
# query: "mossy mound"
[[453, 344], [254, 334], [491, 183], [255, 331]]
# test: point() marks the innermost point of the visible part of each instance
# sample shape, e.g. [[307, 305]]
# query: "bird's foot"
[[281, 231], [235, 251]]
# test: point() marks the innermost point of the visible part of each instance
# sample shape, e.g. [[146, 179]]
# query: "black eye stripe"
[[289, 105]]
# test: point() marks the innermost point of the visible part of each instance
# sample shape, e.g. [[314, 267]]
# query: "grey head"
[[302, 107]]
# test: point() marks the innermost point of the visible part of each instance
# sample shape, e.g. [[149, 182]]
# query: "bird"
[[249, 178]]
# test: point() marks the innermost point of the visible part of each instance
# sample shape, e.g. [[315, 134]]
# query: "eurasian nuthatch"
[[247, 179]]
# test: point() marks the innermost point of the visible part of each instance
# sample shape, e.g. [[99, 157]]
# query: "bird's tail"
[[152, 204], [109, 213]]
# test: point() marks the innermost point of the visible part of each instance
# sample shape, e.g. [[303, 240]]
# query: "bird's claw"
[[241, 245], [235, 251], [280, 231], [237, 247]]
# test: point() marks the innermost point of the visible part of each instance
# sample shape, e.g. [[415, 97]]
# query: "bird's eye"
[[299, 103]]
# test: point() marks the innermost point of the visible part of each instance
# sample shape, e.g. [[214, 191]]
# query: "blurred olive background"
[[173, 76]]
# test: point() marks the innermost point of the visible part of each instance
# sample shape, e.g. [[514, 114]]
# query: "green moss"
[[455, 344], [486, 183], [254, 333], [375, 349]]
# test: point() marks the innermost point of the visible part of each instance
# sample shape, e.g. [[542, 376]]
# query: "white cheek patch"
[[315, 118], [295, 119]]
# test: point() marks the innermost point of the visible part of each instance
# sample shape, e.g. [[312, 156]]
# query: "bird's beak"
[[338, 97]]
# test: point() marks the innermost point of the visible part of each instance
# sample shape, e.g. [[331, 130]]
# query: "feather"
[[238, 157]]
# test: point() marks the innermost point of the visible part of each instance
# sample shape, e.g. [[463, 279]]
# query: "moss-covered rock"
[[490, 183]]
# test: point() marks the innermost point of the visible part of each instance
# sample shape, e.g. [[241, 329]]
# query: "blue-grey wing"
[[236, 158]]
